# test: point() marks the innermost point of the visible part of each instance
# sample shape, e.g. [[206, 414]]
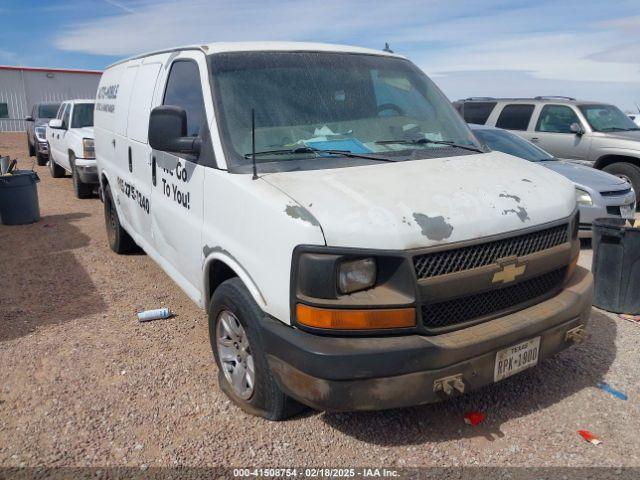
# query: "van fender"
[[218, 253]]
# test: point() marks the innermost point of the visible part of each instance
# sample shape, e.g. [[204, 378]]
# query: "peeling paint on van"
[[434, 228], [520, 212], [301, 213], [508, 195]]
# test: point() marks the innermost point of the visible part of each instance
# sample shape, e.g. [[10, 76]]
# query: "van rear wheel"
[[119, 240], [243, 371]]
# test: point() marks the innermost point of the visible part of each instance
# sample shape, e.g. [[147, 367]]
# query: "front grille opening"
[[475, 256], [452, 313], [616, 193], [612, 210]]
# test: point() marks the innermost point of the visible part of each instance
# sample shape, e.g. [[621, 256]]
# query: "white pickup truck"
[[70, 139]]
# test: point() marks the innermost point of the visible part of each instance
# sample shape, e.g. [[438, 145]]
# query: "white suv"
[[354, 244], [70, 138]]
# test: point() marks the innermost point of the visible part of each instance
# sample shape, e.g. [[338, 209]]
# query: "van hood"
[[586, 176], [420, 203]]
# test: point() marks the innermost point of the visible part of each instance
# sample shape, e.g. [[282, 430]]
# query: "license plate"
[[516, 359], [626, 211]]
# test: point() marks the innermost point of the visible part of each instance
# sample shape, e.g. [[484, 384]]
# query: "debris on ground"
[[156, 314], [629, 317], [473, 418], [609, 389], [589, 437], [49, 225]]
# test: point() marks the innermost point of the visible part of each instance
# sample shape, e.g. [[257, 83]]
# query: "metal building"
[[21, 87]]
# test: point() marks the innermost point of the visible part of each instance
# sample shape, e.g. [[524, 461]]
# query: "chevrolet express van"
[[355, 246]]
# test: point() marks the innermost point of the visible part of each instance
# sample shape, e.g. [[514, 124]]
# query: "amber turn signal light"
[[356, 319]]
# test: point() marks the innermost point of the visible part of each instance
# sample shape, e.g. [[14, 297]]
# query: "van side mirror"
[[576, 128], [28, 118], [168, 131], [56, 123]]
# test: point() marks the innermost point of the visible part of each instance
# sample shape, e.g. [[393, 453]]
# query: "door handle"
[[113, 142], [535, 140], [153, 170], [130, 161]]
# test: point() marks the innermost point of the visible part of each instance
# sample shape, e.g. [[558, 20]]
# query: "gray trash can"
[[19, 198]]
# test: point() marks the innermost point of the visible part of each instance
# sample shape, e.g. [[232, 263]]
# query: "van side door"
[[177, 195], [553, 133]]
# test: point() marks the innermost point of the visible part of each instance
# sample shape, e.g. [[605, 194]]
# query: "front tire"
[[82, 190], [31, 148], [244, 374], [42, 161], [119, 240], [56, 170], [628, 171]]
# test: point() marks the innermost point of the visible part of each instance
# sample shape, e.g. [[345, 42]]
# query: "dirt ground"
[[82, 383]]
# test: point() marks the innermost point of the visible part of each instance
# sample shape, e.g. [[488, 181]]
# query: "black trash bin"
[[19, 198], [616, 266]]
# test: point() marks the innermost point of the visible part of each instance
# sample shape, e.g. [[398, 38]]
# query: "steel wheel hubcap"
[[235, 354]]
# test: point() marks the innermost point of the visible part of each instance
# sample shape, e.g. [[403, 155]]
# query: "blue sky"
[[589, 49]]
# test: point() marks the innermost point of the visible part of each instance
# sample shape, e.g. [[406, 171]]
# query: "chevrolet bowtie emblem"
[[508, 273]]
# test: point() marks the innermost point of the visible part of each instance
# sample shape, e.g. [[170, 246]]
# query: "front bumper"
[[42, 148], [373, 373], [603, 207], [87, 170]]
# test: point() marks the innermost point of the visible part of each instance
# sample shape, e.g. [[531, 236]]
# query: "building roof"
[[52, 70], [220, 47]]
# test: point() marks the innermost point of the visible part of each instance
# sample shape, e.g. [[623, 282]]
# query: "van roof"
[[224, 47]]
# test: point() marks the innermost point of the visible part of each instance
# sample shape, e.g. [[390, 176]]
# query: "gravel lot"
[[82, 383]]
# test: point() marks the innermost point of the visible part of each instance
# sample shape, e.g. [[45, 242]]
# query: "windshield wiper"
[[420, 141], [316, 151]]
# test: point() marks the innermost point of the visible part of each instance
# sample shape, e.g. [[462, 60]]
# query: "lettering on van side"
[[172, 190], [107, 92], [133, 193]]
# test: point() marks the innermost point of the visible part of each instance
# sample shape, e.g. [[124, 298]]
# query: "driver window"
[[185, 90], [556, 119], [65, 116]]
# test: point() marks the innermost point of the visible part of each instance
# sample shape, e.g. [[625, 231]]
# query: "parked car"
[[598, 194], [41, 113], [355, 246], [592, 133], [70, 138]]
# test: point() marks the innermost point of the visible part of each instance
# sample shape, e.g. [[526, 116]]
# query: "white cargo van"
[[355, 246]]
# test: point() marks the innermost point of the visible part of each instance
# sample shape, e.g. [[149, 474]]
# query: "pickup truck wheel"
[[82, 190], [244, 374], [119, 240], [40, 160], [32, 150], [56, 170], [628, 171]]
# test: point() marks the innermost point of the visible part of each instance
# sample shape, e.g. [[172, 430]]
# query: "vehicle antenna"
[[253, 143], [387, 48]]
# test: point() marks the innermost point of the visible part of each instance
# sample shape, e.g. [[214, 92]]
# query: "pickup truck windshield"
[[331, 101], [82, 115], [607, 118]]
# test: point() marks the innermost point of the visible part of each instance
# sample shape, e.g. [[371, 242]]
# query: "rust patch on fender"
[[526, 180], [301, 213], [434, 228]]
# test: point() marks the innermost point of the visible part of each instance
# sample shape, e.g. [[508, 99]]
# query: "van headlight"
[[583, 197], [356, 275], [88, 148]]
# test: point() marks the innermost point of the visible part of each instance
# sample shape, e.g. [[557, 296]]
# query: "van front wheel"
[[119, 240], [243, 372]]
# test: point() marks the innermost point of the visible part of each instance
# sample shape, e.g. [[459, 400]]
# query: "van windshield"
[[331, 101]]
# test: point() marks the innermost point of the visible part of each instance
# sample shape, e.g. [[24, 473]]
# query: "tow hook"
[[576, 335], [449, 384]]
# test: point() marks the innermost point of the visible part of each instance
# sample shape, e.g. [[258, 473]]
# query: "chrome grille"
[[475, 256], [450, 313]]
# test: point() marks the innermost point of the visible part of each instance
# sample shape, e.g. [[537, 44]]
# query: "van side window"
[[476, 112], [556, 119], [515, 117], [185, 90]]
